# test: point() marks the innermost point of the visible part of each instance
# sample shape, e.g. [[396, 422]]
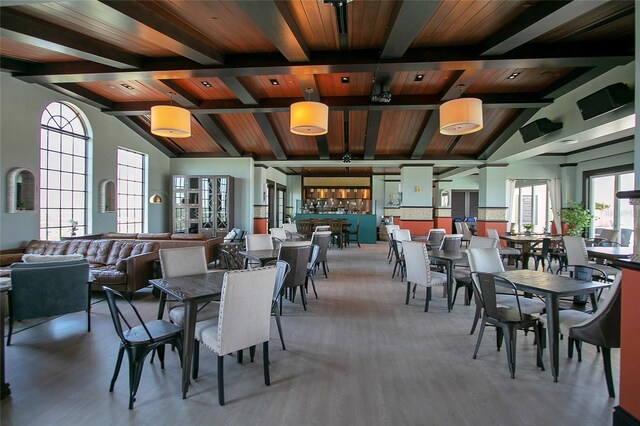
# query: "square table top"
[[610, 253], [539, 282], [260, 255], [199, 287], [529, 238], [451, 255]]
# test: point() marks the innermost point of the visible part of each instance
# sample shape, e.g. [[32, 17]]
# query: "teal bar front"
[[368, 226]]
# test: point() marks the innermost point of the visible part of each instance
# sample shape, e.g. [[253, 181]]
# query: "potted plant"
[[576, 217], [527, 228], [21, 205]]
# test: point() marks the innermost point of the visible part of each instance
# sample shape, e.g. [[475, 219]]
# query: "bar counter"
[[367, 223]]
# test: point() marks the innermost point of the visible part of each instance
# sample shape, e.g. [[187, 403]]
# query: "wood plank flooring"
[[358, 356]]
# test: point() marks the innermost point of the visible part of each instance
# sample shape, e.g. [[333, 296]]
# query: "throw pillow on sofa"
[[42, 258]]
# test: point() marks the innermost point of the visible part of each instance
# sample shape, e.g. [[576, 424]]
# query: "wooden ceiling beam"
[[82, 94], [541, 18], [36, 32], [438, 59], [277, 23], [14, 65], [428, 132], [374, 118], [170, 32], [270, 135], [245, 96], [179, 94], [212, 126], [516, 123], [160, 143], [411, 17], [338, 103]]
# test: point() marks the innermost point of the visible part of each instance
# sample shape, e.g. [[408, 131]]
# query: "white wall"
[[21, 107], [240, 168]]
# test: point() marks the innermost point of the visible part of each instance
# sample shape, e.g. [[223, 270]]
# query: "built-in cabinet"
[[202, 204]]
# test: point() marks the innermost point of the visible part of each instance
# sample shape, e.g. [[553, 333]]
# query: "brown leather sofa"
[[125, 265]]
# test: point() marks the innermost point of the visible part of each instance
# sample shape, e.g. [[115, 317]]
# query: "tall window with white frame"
[[63, 172], [130, 203]]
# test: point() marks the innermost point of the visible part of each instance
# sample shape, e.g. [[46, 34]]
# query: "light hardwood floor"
[[358, 356]]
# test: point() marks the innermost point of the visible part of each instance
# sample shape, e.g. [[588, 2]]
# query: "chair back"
[[466, 232], [245, 309], [178, 262], [290, 227], [486, 285], [313, 257], [230, 261], [451, 242], [402, 235], [603, 328], [322, 240], [493, 233], [282, 269], [576, 251], [119, 317], [239, 237], [259, 242], [458, 226], [482, 242], [297, 256], [390, 229], [416, 259], [47, 289], [610, 235], [485, 260], [625, 237], [279, 233], [546, 246], [435, 236], [323, 228]]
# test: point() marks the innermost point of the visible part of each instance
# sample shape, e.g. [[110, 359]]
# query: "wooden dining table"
[[610, 253], [261, 256], [191, 290], [551, 287], [527, 242]]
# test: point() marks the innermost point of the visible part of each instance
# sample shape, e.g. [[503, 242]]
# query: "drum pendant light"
[[170, 121], [308, 118], [461, 116]]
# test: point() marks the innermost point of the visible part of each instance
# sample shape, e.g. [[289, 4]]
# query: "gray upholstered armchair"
[[48, 289]]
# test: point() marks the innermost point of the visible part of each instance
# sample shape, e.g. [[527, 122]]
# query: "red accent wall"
[[481, 228], [630, 343], [444, 223], [260, 225], [417, 227]]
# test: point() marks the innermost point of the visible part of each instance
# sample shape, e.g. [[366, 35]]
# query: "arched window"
[[63, 172]]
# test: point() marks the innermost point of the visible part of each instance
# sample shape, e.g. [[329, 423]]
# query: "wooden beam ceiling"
[[270, 135], [212, 126], [410, 18], [374, 118], [162, 144]]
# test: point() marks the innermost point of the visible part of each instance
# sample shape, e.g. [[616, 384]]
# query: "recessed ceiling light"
[[419, 77], [513, 75], [344, 79], [274, 82], [206, 83]]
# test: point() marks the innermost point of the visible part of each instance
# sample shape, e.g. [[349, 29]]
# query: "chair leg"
[[606, 358], [160, 350], [499, 338], [265, 361], [480, 333], [426, 304], [324, 269], [239, 356], [570, 350], [537, 331], [511, 335], [136, 362], [313, 284], [579, 349], [406, 302], [220, 380], [476, 317], [252, 352], [10, 331], [304, 299], [195, 368], [277, 314], [117, 370]]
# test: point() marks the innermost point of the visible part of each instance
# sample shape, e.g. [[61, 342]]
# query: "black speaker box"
[[605, 100], [538, 128]]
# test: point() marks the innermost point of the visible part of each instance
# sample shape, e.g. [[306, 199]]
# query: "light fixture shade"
[[155, 199], [170, 121], [461, 116], [309, 118]]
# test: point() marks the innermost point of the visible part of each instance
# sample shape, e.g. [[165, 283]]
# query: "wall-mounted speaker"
[[538, 128], [605, 100]]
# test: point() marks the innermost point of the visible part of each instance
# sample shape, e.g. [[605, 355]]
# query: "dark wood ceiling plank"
[[179, 95], [36, 32], [409, 21], [338, 103], [429, 130], [465, 78], [80, 93], [245, 96], [330, 62], [172, 33], [14, 65], [542, 17], [374, 118], [161, 144], [212, 126], [574, 79], [270, 135], [518, 121], [276, 21]]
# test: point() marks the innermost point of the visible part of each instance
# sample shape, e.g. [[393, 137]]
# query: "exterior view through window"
[[130, 186]]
